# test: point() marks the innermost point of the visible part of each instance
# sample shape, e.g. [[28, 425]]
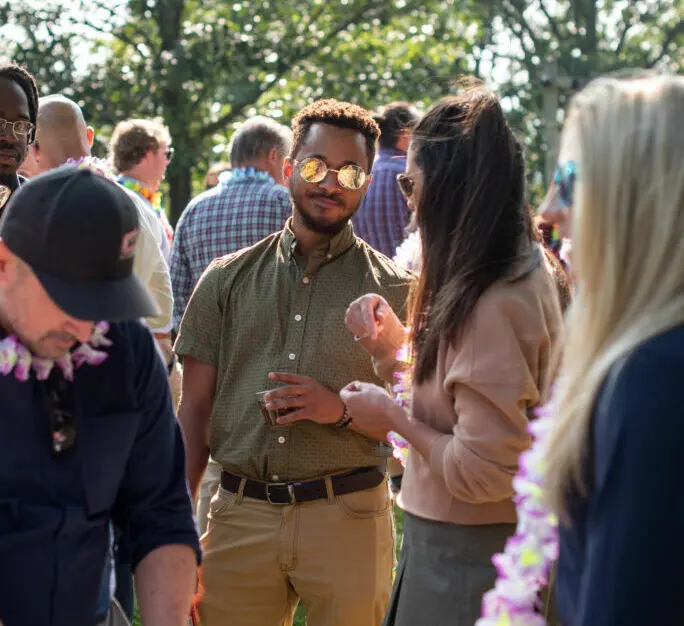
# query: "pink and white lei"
[[15, 356], [524, 566], [402, 396]]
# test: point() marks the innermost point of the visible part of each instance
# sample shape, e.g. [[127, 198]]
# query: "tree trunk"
[[180, 186]]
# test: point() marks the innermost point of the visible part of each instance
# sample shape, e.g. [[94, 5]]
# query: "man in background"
[[241, 210], [140, 150], [384, 214], [18, 111]]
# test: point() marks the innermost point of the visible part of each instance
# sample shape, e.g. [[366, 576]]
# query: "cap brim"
[[111, 301]]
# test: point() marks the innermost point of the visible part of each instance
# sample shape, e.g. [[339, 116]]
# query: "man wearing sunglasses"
[[18, 110], [140, 151], [86, 437], [303, 509]]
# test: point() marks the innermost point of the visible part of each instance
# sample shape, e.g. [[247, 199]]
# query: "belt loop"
[[240, 491], [329, 490]]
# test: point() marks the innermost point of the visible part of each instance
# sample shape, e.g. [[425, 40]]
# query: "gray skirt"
[[443, 572]]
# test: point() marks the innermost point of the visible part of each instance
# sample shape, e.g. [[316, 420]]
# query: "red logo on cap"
[[128, 244]]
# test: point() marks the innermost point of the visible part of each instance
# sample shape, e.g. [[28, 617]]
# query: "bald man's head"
[[61, 132]]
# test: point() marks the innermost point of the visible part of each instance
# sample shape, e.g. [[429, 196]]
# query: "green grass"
[[300, 615]]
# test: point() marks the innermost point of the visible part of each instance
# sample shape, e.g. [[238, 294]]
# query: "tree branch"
[[670, 35], [302, 54], [552, 22], [622, 38]]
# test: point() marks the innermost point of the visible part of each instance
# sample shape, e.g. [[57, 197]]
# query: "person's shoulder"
[[658, 361], [382, 266], [200, 203], [235, 261]]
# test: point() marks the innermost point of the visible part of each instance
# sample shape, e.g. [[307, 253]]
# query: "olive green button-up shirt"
[[259, 310]]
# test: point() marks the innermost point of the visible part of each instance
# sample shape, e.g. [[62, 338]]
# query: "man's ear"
[[288, 169], [90, 134]]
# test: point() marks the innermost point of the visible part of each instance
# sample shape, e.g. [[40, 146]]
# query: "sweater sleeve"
[[492, 386]]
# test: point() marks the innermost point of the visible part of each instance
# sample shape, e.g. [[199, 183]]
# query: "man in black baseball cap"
[[67, 245], [94, 444]]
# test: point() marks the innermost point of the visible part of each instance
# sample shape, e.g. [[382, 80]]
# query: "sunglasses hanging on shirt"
[[57, 398]]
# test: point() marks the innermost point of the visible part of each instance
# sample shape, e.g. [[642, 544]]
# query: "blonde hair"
[[628, 249]]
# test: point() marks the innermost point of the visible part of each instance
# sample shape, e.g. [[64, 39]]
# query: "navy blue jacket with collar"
[[127, 465]]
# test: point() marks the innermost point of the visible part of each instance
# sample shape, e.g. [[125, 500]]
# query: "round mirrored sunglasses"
[[313, 170]]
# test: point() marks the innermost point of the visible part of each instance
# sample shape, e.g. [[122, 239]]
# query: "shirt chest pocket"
[[106, 443]]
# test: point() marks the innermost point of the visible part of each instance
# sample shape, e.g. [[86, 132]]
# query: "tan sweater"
[[479, 399]]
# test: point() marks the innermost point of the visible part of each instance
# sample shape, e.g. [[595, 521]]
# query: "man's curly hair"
[[133, 139], [335, 113]]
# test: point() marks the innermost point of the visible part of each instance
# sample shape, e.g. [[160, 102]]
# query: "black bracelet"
[[345, 420]]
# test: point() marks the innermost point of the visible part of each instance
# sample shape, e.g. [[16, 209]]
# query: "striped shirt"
[[246, 206]]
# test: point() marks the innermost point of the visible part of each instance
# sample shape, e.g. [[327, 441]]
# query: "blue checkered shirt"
[[245, 207], [383, 215]]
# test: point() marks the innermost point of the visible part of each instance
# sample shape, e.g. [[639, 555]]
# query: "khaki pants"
[[337, 555]]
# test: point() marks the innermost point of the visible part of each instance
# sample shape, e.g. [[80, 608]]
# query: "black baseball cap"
[[78, 231]]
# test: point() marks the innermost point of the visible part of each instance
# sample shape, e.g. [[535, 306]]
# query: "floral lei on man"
[[15, 356], [154, 199]]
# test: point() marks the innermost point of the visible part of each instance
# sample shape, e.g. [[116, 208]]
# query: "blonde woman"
[[616, 459]]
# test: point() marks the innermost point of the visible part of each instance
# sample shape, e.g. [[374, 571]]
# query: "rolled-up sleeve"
[[490, 381], [154, 499]]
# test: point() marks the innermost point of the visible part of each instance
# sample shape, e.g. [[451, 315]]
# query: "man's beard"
[[320, 227]]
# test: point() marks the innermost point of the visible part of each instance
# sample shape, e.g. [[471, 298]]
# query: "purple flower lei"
[[523, 568], [15, 356], [402, 396]]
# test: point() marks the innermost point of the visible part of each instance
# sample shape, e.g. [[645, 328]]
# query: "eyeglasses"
[[20, 128], [564, 178], [169, 154], [406, 184], [57, 400], [313, 170]]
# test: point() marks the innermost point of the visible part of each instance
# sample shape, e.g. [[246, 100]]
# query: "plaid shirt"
[[383, 216], [241, 210]]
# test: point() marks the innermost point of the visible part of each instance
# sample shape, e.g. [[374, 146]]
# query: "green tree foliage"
[[204, 65]]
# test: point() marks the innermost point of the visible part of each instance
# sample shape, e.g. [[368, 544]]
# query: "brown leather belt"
[[292, 493]]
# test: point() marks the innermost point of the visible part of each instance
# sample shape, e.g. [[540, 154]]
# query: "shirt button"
[[306, 280], [275, 477], [298, 318], [281, 439], [329, 257], [292, 356]]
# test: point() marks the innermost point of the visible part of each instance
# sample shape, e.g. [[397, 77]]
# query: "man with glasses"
[[87, 429], [18, 110], [303, 510], [140, 151]]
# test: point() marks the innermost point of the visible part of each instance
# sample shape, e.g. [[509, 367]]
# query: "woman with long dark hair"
[[486, 318]]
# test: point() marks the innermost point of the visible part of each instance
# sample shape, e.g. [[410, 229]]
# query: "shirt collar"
[[326, 252], [384, 154], [238, 174]]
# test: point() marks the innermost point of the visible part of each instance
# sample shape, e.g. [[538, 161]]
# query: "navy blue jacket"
[[127, 465], [621, 558]]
